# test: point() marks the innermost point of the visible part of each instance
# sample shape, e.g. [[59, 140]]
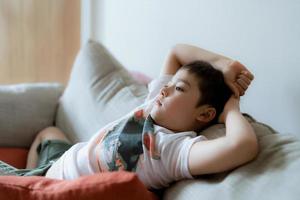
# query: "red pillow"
[[16, 157], [110, 185]]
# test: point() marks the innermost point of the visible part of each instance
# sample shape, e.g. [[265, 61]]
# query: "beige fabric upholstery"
[[99, 91], [25, 109]]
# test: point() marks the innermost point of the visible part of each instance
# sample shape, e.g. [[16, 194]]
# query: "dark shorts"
[[48, 152]]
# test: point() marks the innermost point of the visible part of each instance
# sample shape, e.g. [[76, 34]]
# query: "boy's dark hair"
[[214, 91]]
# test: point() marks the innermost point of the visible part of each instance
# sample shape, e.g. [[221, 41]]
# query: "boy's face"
[[175, 106]]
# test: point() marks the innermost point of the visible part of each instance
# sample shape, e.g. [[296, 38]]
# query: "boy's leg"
[[49, 133]]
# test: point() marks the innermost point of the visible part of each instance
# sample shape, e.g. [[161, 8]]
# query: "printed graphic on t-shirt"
[[124, 143]]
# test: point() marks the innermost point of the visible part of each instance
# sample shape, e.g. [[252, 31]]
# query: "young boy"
[[157, 140]]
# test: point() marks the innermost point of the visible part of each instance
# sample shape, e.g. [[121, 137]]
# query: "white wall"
[[264, 35]]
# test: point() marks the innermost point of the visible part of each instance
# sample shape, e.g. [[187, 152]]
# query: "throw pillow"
[[109, 185], [99, 91], [16, 157]]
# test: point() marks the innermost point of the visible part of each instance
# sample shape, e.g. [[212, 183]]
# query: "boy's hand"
[[237, 77], [233, 104]]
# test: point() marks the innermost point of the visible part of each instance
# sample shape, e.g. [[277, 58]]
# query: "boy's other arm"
[[236, 148], [182, 54], [236, 75]]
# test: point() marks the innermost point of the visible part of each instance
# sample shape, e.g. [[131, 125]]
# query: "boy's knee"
[[51, 133]]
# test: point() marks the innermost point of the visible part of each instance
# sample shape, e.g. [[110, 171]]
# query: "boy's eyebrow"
[[186, 82]]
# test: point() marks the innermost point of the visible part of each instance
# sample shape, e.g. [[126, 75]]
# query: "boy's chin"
[[155, 116], [157, 120]]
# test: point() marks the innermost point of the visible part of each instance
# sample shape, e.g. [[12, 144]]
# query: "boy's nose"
[[163, 91]]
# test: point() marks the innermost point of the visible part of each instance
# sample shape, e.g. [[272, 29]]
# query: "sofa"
[[101, 90]]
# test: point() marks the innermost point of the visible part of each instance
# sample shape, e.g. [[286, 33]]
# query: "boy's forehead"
[[183, 72], [186, 76]]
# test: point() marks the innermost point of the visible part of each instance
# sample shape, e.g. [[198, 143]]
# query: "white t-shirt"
[[87, 158]]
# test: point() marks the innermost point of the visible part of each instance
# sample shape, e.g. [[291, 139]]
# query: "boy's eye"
[[178, 89]]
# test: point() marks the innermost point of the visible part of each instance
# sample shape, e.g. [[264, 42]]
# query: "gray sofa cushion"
[[99, 91], [25, 109]]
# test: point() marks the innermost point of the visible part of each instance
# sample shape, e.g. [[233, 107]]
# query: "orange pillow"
[[109, 185], [16, 157]]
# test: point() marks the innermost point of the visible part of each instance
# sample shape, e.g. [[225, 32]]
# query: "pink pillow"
[[140, 77], [110, 185]]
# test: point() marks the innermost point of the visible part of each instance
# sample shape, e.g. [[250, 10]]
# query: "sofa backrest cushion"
[[99, 91], [25, 109]]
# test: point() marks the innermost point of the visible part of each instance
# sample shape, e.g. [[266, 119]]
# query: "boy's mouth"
[[158, 102]]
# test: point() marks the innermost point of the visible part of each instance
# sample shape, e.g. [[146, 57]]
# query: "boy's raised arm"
[[236, 148], [236, 75], [182, 54]]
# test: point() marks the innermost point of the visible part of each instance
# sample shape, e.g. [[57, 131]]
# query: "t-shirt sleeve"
[[177, 162], [156, 84]]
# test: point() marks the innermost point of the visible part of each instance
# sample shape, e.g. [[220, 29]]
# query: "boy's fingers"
[[240, 89], [234, 89], [242, 83], [248, 74], [245, 78]]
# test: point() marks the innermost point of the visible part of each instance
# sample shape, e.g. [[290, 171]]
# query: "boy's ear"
[[206, 114]]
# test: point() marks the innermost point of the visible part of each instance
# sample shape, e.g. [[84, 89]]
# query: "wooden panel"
[[38, 40]]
